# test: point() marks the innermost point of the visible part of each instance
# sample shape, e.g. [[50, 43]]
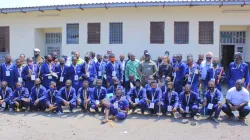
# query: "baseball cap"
[[36, 50]]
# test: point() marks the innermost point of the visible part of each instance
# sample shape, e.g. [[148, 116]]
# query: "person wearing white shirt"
[[237, 99], [205, 65]]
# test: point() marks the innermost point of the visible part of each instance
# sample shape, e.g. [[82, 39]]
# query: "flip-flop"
[[105, 121]]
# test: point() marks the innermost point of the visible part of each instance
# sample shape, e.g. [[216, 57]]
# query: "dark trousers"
[[243, 111]]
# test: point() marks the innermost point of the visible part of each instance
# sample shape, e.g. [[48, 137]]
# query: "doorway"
[[227, 55]]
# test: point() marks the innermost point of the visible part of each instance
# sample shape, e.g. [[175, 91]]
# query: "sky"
[[26, 3]]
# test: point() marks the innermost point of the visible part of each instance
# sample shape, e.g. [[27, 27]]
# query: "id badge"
[[49, 77], [189, 79], [20, 79], [61, 79], [105, 76], [113, 73], [33, 77], [0, 97], [196, 71], [7, 73], [99, 73], [212, 79], [116, 105], [3, 105], [187, 109], [76, 78], [170, 108], [151, 105], [174, 74], [210, 106], [97, 102], [87, 74], [136, 100]]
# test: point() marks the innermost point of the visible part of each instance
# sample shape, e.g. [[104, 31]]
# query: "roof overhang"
[[126, 4]]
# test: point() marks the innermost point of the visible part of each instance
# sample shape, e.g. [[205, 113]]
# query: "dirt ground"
[[45, 126]]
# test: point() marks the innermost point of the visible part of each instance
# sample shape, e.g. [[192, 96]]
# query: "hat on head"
[[239, 54], [36, 50], [137, 80]]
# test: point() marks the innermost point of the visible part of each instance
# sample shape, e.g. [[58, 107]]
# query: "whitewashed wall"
[[24, 33]]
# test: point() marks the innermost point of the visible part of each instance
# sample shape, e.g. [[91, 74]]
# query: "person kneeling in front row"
[[170, 99], [21, 98], [51, 97], [212, 101], [66, 97], [188, 102], [237, 98], [5, 97], [137, 97], [117, 107]]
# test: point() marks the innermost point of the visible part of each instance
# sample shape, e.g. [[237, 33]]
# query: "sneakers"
[[59, 113]]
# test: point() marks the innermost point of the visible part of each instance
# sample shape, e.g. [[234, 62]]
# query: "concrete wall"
[[136, 28]]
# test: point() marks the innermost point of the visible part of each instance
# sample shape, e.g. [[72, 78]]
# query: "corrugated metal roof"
[[127, 4]]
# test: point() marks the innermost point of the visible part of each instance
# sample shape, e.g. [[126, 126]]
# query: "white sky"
[[25, 3]]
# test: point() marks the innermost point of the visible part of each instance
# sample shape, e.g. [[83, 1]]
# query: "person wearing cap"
[[37, 59], [132, 67], [216, 73], [114, 69], [37, 96], [48, 72], [51, 97], [137, 97], [238, 70], [66, 97], [143, 57], [114, 86], [74, 73], [5, 97], [212, 101], [205, 65], [192, 74], [97, 97], [170, 99], [188, 102], [147, 68], [179, 69], [8, 72], [30, 73], [83, 96], [154, 97], [117, 107], [237, 99], [87, 71]]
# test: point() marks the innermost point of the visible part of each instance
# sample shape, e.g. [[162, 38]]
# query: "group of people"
[[102, 83]]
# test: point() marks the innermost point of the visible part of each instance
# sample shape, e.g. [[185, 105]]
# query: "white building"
[[187, 27]]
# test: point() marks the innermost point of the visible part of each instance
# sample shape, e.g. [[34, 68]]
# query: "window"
[[206, 32], [157, 32], [94, 31], [115, 33], [73, 33], [233, 37], [181, 32]]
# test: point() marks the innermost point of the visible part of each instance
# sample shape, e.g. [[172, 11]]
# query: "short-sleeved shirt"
[[237, 97], [148, 68]]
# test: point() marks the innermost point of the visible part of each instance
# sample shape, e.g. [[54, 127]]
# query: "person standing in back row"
[[147, 68], [238, 70]]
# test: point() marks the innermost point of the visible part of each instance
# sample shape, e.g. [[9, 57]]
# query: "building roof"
[[127, 4]]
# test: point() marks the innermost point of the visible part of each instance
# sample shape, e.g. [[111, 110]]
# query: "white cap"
[[36, 50]]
